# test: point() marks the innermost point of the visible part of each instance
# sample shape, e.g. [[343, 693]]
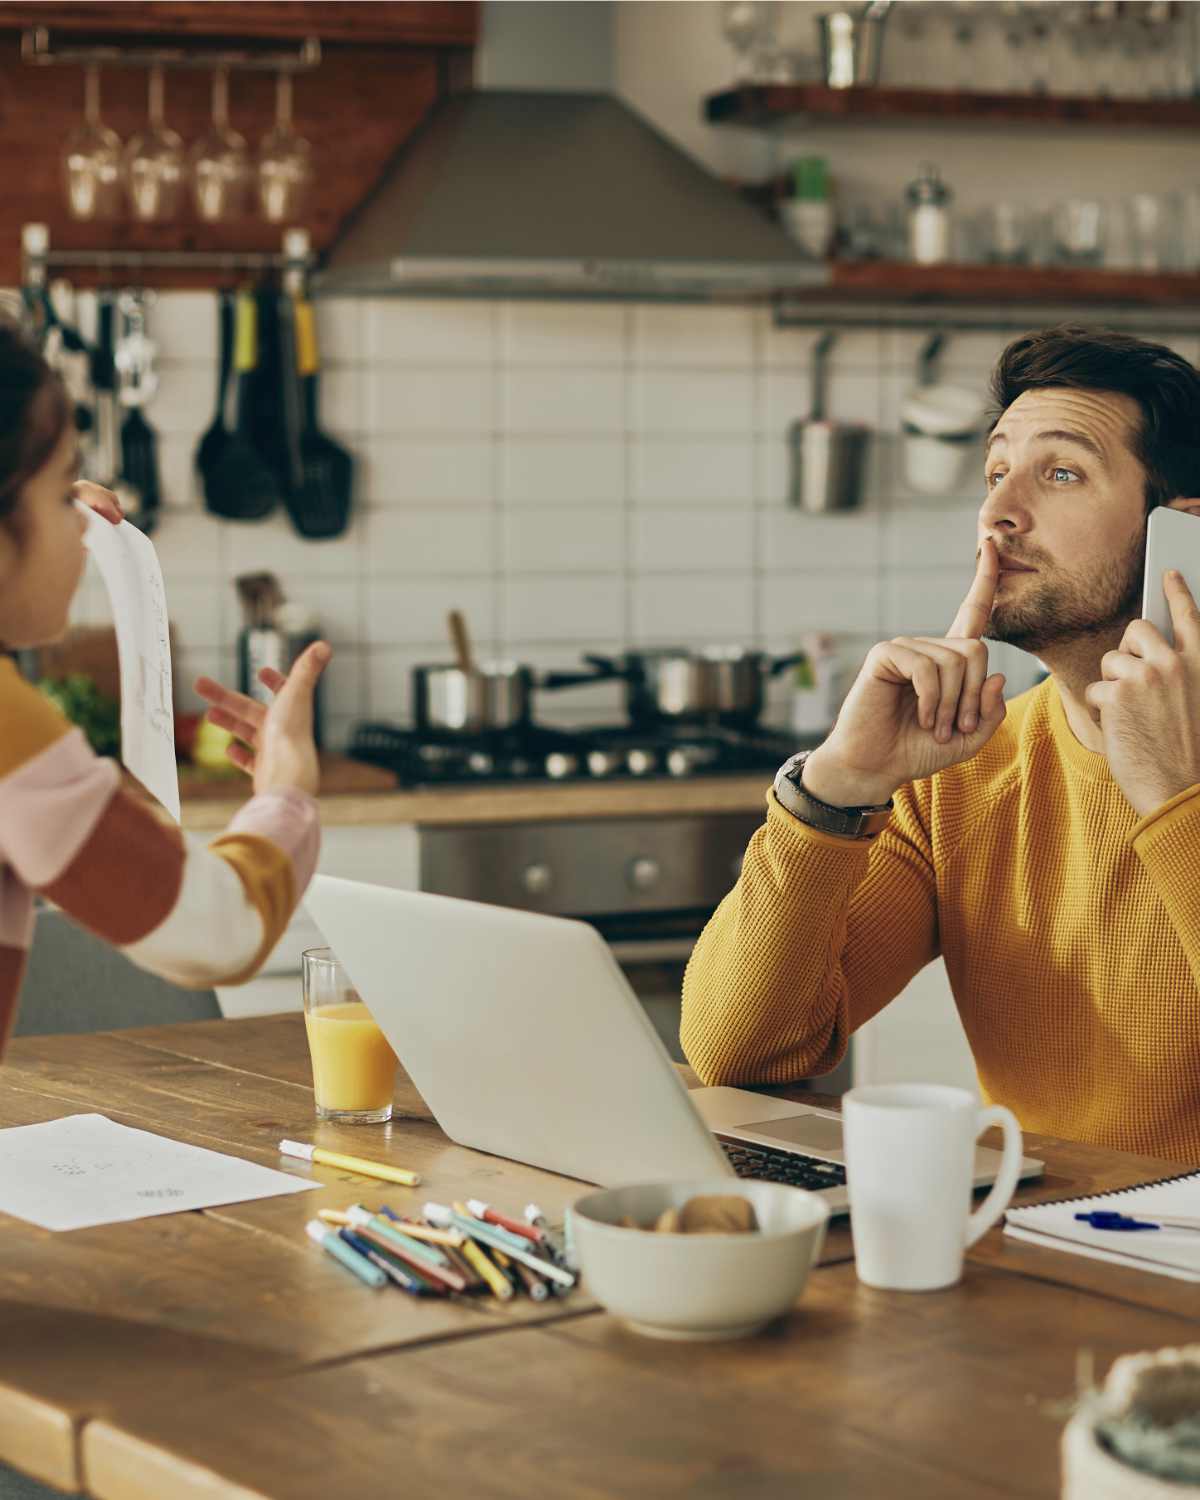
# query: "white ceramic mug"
[[910, 1156]]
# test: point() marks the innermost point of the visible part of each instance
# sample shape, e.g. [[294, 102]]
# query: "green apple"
[[208, 749]]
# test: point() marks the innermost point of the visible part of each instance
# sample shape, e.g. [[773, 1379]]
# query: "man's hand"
[[97, 498], [920, 704], [1148, 700]]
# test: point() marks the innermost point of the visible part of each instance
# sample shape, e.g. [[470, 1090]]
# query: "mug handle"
[[1006, 1180]]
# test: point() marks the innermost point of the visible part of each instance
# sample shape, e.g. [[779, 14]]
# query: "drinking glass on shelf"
[[284, 161], [91, 159], [750, 27], [1189, 231], [1153, 220], [1004, 234], [218, 164], [154, 162], [1079, 232]]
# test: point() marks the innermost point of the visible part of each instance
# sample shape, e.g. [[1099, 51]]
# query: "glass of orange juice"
[[354, 1067]]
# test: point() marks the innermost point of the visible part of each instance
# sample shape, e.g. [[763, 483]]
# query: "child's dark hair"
[[1164, 385], [34, 413]]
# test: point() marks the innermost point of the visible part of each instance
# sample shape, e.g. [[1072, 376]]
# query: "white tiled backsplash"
[[572, 477]]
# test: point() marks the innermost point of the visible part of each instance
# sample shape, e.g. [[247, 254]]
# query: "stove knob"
[[641, 762], [537, 878], [644, 873], [560, 764]]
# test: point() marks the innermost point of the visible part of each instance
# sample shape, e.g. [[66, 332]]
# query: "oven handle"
[[651, 951]]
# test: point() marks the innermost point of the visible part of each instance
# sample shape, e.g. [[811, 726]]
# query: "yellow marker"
[[499, 1285], [349, 1163]]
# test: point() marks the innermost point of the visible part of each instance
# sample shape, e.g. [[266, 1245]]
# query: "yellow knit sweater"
[[1070, 930]]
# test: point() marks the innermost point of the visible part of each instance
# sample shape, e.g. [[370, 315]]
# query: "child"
[[198, 916]]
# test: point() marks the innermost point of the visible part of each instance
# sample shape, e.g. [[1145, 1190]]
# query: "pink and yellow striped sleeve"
[[197, 915]]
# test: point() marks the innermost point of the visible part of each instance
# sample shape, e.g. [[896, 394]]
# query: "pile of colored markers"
[[461, 1249]]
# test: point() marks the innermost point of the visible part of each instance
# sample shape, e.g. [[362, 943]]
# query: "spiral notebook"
[[1168, 1252]]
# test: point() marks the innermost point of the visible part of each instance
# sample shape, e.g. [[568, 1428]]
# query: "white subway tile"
[[343, 686], [793, 541], [427, 400], [835, 601], [693, 337], [429, 471], [405, 540], [581, 608], [184, 326], [694, 607], [923, 601], [340, 325], [429, 331], [712, 402], [185, 400], [563, 333], [786, 397], [556, 401], [928, 537], [581, 539], [693, 471], [412, 610], [274, 546], [188, 544], [389, 678], [197, 613], [574, 471], [700, 540], [341, 408], [853, 349], [336, 604], [177, 478], [186, 665]]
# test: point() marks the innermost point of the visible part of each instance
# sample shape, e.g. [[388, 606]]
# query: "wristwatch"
[[848, 822]]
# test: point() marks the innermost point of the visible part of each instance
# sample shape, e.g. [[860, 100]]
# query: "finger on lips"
[[973, 613]]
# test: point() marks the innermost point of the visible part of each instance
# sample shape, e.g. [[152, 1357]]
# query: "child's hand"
[[97, 498]]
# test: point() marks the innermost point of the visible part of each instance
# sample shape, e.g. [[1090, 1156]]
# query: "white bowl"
[[697, 1286]]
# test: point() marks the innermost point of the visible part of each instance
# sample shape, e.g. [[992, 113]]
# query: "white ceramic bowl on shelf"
[[697, 1286]]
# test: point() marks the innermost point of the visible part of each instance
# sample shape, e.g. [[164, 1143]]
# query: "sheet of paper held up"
[[129, 566], [85, 1170]]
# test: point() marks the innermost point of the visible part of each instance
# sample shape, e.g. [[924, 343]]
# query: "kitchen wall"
[[573, 477]]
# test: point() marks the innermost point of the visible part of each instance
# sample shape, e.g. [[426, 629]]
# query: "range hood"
[[529, 193]]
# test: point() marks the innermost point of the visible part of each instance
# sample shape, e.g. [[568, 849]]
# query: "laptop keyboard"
[[769, 1165]]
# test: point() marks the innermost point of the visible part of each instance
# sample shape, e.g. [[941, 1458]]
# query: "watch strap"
[[845, 822]]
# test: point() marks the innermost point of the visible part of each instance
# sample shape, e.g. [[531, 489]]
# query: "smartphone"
[[1172, 541]]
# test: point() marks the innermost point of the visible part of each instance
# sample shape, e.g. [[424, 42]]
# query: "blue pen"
[[1108, 1220], [322, 1235], [403, 1278]]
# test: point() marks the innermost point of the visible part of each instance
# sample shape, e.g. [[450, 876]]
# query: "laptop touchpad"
[[813, 1132]]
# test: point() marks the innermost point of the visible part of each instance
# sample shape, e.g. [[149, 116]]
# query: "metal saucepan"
[[489, 697], [722, 684]]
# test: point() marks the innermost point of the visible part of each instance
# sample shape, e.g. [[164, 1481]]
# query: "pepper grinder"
[[928, 217]]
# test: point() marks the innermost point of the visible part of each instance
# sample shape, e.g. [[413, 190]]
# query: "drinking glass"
[[284, 162], [154, 162], [354, 1067], [749, 26], [1079, 232], [1004, 234], [1153, 231], [91, 159], [218, 163]]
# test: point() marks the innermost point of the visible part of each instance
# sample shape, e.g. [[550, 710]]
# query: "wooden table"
[[219, 1354]]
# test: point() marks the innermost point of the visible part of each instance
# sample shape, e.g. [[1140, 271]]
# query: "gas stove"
[[532, 753]]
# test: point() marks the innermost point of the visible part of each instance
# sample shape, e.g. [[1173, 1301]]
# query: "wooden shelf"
[[774, 104], [903, 284]]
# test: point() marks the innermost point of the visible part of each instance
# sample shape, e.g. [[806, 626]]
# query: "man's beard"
[[1072, 608]]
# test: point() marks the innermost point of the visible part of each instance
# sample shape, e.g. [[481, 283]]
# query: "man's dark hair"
[[1164, 385]]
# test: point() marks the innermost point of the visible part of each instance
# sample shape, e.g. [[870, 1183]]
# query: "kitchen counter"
[[525, 803]]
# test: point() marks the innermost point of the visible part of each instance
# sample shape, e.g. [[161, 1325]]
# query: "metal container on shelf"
[[852, 45]]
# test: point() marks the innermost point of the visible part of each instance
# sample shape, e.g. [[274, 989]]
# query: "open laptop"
[[525, 1040]]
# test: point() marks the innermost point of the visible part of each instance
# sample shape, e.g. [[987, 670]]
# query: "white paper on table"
[[129, 566], [85, 1170]]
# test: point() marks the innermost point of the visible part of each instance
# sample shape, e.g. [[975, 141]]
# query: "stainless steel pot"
[[494, 696], [721, 684]]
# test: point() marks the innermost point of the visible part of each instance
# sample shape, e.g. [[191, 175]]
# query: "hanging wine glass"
[[218, 164], [91, 159], [284, 162], [154, 162]]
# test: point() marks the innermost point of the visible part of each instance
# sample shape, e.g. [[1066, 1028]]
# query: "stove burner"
[[602, 752]]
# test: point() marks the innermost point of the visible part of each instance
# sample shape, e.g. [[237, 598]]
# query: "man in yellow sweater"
[[1049, 853]]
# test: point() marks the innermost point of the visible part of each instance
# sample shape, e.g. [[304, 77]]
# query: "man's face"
[[1066, 502]]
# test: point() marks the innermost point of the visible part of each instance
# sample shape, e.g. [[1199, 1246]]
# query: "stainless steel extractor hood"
[[530, 193]]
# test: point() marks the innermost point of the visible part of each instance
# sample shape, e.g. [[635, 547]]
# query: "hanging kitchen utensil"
[[137, 382], [105, 465], [238, 484], [50, 311], [267, 416], [828, 458], [216, 435], [321, 506], [461, 640]]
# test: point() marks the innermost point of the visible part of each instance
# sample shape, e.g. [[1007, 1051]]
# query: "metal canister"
[[278, 645]]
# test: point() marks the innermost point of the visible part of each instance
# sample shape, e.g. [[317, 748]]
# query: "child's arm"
[[196, 915]]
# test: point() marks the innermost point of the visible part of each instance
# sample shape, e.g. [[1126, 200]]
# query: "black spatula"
[[320, 507], [237, 483]]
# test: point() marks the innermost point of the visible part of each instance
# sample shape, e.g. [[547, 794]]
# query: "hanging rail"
[[38, 50], [1012, 318], [296, 259]]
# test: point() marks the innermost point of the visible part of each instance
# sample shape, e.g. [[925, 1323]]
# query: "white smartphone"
[[1172, 541]]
